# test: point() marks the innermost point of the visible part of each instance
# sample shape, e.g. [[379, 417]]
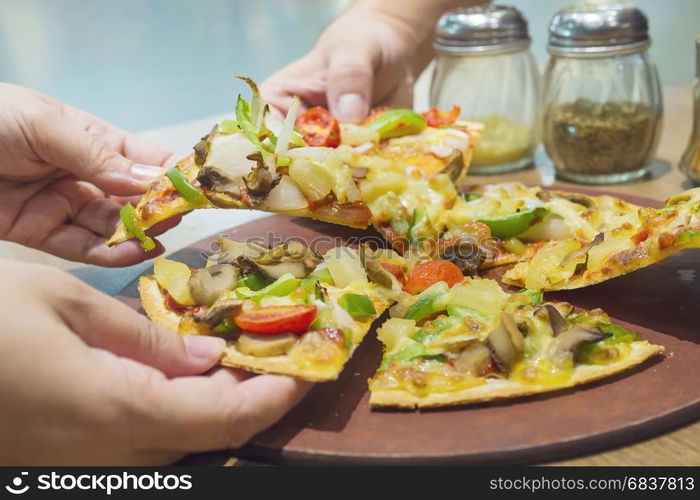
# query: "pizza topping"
[[277, 319], [583, 251], [429, 301], [568, 342], [358, 306], [377, 271], [190, 193], [319, 128], [292, 257], [230, 251], [265, 345], [474, 360], [398, 122], [465, 252], [221, 311], [508, 226], [506, 343], [132, 223], [208, 283], [428, 273], [173, 277], [358, 135], [285, 135], [435, 117]]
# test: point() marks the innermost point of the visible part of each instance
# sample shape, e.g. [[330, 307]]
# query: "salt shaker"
[[484, 65], [602, 99], [690, 161]]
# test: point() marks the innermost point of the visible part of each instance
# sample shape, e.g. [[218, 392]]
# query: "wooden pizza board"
[[334, 424]]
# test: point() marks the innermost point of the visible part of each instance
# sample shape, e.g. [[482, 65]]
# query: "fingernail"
[[145, 172], [202, 346], [351, 108]]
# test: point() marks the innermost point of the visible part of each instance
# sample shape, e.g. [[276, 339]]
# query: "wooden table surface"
[[679, 447]]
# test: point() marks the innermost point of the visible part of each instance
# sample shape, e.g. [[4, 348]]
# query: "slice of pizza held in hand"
[[312, 166]]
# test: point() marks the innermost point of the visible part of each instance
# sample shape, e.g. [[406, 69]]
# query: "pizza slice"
[[311, 166], [283, 309], [646, 237], [497, 224], [460, 340]]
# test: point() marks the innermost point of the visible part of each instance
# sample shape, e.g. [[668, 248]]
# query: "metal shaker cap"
[[598, 27], [494, 28]]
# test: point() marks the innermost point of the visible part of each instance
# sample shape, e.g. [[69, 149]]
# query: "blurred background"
[[144, 64]]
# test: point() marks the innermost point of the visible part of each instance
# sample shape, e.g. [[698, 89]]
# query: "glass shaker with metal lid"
[[484, 65], [690, 161], [602, 104]]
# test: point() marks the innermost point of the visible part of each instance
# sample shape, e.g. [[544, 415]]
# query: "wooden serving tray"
[[334, 424]]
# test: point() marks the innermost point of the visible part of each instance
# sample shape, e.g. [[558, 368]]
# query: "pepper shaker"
[[484, 65], [602, 98], [690, 161]]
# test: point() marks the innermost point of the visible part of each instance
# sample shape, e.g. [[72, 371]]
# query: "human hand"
[[86, 380], [363, 59], [64, 174]]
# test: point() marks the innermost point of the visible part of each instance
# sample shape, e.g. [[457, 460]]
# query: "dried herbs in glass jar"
[[587, 137], [602, 102]]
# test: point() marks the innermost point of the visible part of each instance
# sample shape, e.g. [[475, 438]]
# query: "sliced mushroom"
[[473, 360], [219, 188], [506, 343], [375, 271], [556, 320], [454, 165], [544, 195], [260, 181], [207, 284], [218, 312], [265, 345], [583, 251], [580, 199], [292, 257], [466, 253], [201, 149], [568, 343], [230, 251]]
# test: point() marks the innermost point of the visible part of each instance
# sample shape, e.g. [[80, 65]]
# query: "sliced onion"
[[286, 133], [284, 197], [229, 153]]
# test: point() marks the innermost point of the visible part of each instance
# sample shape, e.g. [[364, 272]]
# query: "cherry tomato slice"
[[438, 118], [429, 273], [277, 319], [319, 128]]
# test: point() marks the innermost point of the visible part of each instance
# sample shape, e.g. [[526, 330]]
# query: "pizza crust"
[[154, 304], [500, 389], [155, 308], [279, 365]]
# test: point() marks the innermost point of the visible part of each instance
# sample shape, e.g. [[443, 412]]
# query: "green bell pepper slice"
[[357, 305], [322, 275], [687, 236], [281, 287], [398, 122], [131, 222], [429, 301], [255, 281], [587, 353], [420, 214], [229, 126], [227, 325], [187, 190], [511, 225], [413, 351]]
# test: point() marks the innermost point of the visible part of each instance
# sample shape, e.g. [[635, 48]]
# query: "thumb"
[[64, 145], [103, 322], [349, 86]]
